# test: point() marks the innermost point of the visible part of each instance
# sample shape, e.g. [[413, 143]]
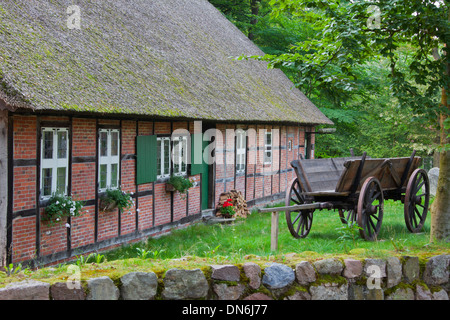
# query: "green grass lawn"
[[246, 237], [201, 245]]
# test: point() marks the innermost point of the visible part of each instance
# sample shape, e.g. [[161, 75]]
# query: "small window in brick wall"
[[180, 155], [54, 161], [268, 147], [163, 157], [109, 159], [240, 150]]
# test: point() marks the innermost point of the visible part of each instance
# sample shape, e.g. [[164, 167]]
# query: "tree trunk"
[[440, 209], [254, 4]]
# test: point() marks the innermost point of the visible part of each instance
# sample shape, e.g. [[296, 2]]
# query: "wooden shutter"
[[196, 153], [146, 170]]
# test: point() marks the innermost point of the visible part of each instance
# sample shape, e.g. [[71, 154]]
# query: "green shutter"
[[146, 159], [196, 153]]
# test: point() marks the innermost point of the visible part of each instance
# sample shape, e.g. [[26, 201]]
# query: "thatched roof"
[[165, 58]]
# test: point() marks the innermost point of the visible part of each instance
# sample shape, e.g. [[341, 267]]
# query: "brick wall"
[[154, 207]]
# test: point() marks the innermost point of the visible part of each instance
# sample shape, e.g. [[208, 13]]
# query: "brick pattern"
[[156, 206]]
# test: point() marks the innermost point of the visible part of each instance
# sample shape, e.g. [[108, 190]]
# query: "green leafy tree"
[[352, 33]]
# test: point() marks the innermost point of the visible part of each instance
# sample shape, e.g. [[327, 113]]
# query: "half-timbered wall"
[[156, 211]]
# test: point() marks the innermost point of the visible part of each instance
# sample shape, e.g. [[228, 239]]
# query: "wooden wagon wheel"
[[370, 208], [417, 198], [298, 221]]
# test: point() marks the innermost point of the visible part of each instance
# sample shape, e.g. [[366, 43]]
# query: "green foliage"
[[349, 231], [91, 258], [60, 206], [121, 199], [12, 269], [379, 84], [180, 183]]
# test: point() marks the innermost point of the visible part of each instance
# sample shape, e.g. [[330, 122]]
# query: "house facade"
[[117, 102]]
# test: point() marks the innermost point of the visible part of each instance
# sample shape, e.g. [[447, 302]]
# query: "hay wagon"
[[357, 188]]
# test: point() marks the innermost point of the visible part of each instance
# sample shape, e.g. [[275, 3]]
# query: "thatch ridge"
[[167, 58]]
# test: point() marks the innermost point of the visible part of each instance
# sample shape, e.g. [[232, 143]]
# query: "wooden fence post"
[[274, 232]]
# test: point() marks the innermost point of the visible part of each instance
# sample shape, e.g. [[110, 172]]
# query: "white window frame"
[[179, 155], [268, 148], [161, 154], [54, 163], [241, 146], [109, 159]]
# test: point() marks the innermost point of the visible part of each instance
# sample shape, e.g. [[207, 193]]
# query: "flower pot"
[[107, 206], [170, 187]]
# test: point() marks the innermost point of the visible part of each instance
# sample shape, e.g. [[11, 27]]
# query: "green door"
[[205, 179], [200, 166]]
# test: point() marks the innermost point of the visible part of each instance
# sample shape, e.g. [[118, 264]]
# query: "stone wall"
[[405, 278]]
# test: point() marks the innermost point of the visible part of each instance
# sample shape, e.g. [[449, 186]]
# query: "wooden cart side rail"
[[393, 174]]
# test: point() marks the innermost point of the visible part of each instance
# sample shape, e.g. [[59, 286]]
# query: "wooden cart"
[[357, 188]]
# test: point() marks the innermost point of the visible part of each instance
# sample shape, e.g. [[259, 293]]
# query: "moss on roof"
[[167, 58]]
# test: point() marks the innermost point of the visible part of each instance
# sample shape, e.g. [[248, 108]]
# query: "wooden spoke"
[[347, 215], [417, 199], [370, 209]]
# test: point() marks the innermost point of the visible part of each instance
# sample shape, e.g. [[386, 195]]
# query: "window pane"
[[61, 181], [47, 182], [103, 176], [269, 138], [48, 144], [166, 157], [103, 143], [62, 144], [114, 175], [158, 157], [114, 143]]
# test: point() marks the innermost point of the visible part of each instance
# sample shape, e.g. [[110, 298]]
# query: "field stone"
[[226, 292], [102, 288], [299, 295], [361, 292], [61, 291], [258, 296], [139, 286], [436, 270], [402, 294], [329, 266], [305, 273], [440, 295], [422, 293], [26, 290], [353, 268], [433, 176], [329, 292], [253, 273], [278, 276], [375, 262], [393, 271], [411, 269], [225, 273], [182, 284]]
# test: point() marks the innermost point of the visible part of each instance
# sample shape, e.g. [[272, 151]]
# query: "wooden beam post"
[[274, 232], [3, 184]]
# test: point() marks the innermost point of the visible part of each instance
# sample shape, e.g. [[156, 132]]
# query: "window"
[[180, 155], [163, 157], [54, 161], [240, 150], [268, 147], [109, 150]]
